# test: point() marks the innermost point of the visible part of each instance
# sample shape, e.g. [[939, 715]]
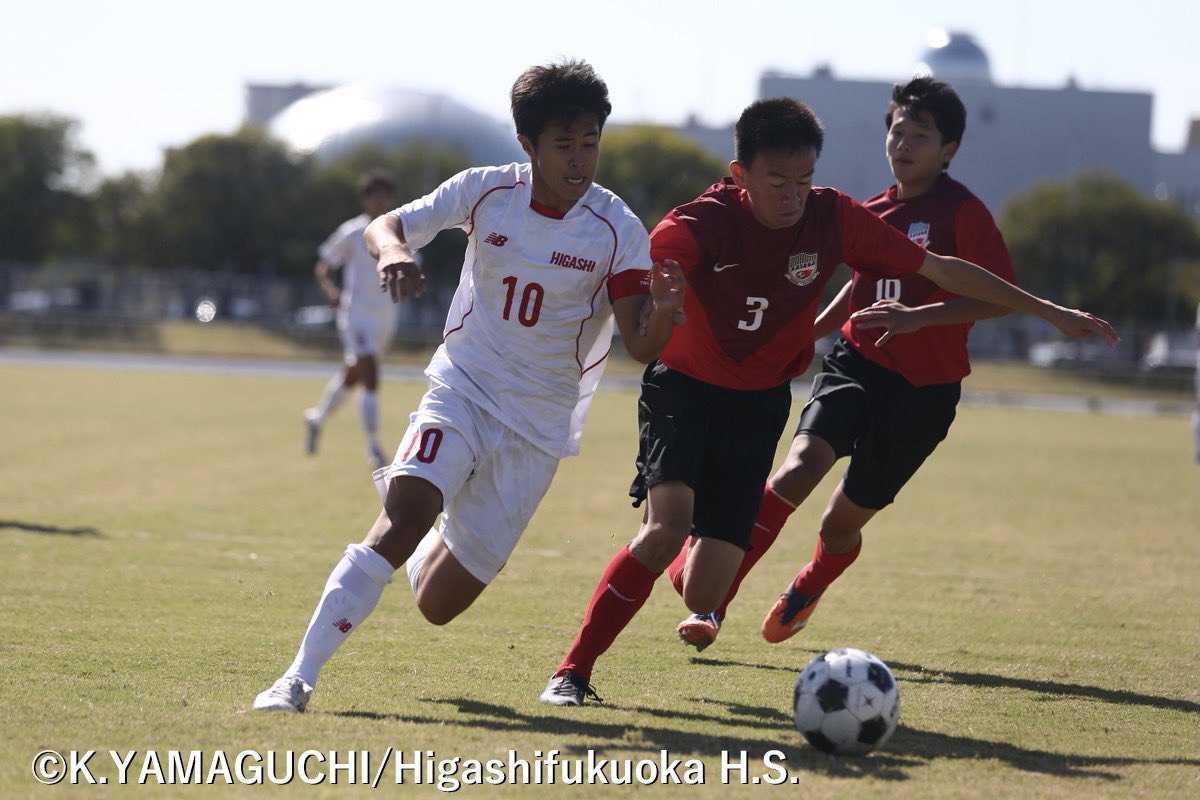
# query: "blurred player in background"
[[757, 250], [551, 260], [366, 318]]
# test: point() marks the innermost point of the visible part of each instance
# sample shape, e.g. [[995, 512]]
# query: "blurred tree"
[[654, 169], [121, 211], [235, 202], [1096, 243], [41, 168]]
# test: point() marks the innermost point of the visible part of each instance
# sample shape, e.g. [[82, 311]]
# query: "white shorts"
[[491, 479], [366, 334]]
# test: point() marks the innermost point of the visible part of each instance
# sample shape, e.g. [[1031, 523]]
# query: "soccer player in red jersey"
[[885, 400], [756, 250]]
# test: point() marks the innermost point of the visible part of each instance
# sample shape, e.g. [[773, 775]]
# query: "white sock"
[[351, 593], [368, 410], [331, 398]]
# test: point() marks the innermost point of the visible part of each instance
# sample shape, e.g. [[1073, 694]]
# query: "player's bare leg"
[[837, 547], [710, 569], [808, 460], [704, 581], [445, 588], [410, 510]]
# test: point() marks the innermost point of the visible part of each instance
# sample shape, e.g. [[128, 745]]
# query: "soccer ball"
[[846, 702]]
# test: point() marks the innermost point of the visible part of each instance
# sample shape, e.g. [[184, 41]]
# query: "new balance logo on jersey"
[[573, 262], [918, 232], [343, 625], [495, 239]]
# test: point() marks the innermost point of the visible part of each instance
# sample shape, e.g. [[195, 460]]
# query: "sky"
[[143, 76]]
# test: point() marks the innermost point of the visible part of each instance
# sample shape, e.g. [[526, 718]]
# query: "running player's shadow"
[[33, 527], [919, 674], [909, 749]]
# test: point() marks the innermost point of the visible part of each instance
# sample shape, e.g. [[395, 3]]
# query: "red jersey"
[[947, 220], [753, 291]]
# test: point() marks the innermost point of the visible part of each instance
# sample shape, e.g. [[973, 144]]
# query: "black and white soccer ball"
[[846, 702]]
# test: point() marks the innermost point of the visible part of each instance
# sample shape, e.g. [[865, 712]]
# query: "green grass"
[[1034, 590]]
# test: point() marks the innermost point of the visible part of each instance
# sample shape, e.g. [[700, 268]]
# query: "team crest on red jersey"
[[802, 268], [918, 232]]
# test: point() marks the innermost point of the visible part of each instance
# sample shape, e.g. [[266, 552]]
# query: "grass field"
[[165, 540]]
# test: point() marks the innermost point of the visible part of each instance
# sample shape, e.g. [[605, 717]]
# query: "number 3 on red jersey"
[[756, 306]]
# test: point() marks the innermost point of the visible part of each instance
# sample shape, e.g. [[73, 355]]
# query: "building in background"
[[332, 122], [1015, 136]]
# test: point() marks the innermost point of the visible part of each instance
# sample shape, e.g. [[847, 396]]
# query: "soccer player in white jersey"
[[366, 318], [552, 261]]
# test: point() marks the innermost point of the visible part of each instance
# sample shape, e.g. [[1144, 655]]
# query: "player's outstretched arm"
[[833, 316], [896, 318], [970, 280], [399, 274], [645, 322]]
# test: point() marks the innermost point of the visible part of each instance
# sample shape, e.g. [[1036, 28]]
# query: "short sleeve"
[[338, 249], [631, 267], [978, 240], [673, 238], [873, 247], [448, 206]]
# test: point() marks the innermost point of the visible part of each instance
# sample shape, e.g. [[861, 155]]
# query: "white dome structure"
[[335, 122], [955, 58]]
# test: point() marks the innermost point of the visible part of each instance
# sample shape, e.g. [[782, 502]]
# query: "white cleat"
[[286, 694], [312, 431], [376, 458]]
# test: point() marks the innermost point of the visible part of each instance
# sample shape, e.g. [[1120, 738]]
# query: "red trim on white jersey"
[[611, 260], [484, 197], [545, 210], [462, 321]]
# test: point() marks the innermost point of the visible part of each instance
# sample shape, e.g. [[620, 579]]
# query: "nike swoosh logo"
[[722, 267]]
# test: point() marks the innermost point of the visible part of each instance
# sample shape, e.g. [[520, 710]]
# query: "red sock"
[[675, 571], [772, 514], [623, 588], [823, 569]]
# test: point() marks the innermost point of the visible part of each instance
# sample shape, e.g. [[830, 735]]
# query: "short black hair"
[[923, 93], [374, 180], [558, 92], [779, 123]]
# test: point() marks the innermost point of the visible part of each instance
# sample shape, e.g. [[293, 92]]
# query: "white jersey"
[[531, 322], [361, 298]]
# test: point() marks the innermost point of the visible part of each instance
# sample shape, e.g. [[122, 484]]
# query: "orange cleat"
[[789, 615], [699, 630]]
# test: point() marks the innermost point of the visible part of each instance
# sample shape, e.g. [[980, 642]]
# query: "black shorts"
[[886, 425], [720, 442]]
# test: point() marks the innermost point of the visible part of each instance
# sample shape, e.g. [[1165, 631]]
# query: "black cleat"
[[569, 689]]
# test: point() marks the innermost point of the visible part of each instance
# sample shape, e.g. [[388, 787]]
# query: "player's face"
[[778, 183], [915, 150], [377, 202], [564, 160]]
